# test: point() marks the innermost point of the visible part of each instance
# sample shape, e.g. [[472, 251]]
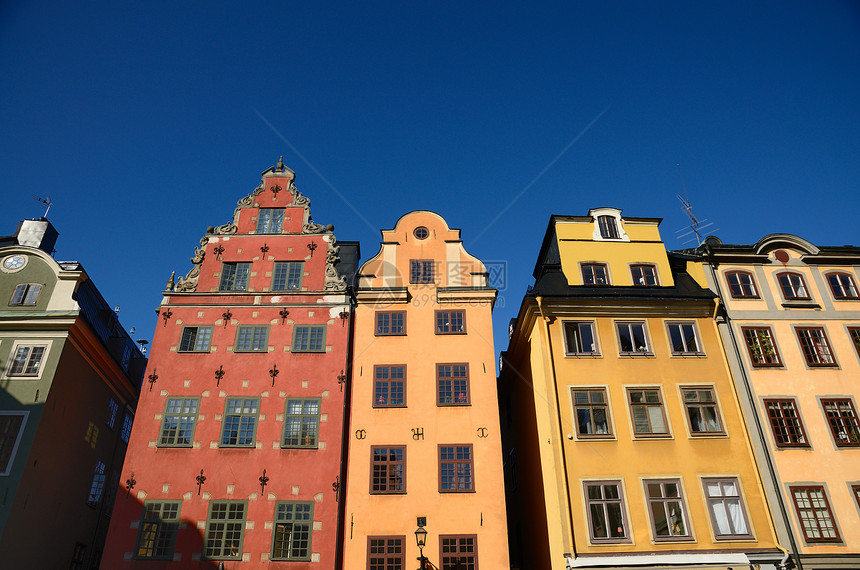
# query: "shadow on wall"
[[158, 533]]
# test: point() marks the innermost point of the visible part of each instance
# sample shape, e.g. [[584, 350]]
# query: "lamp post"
[[421, 540]]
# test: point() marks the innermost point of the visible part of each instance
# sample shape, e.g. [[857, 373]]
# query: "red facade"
[[245, 374]]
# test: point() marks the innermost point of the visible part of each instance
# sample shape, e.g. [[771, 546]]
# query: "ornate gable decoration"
[[333, 281]]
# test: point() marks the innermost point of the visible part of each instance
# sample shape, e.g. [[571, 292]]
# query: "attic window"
[[421, 232], [608, 228]]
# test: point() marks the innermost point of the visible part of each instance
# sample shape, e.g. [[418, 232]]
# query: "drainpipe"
[[546, 321], [760, 430], [344, 446]]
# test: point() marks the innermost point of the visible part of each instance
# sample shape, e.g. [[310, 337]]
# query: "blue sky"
[[146, 122]]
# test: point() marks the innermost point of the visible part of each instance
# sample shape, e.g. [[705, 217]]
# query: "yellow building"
[[424, 423], [792, 332], [625, 443]]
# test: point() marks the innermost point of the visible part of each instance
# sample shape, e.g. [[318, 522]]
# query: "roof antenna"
[[696, 225], [46, 201]]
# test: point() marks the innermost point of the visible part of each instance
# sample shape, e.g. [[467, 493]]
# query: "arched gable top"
[[775, 241], [421, 235]]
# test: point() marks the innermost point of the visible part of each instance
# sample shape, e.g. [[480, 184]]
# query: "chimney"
[[37, 233]]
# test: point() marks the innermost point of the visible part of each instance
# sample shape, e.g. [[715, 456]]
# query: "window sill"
[[799, 304], [635, 354], [652, 437], [735, 538], [690, 354], [582, 354], [386, 406], [707, 435]]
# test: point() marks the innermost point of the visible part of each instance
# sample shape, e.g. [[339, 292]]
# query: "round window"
[[421, 232]]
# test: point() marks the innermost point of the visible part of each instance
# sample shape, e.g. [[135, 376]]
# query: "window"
[[702, 410], [450, 322], [579, 338], [309, 338], [390, 323], [390, 386], [842, 286], [814, 513], [684, 339], [127, 421], [421, 271], [741, 284], [270, 220], [421, 232], [224, 529], [644, 274], [761, 346], [11, 429], [27, 360], [177, 427], [855, 490], [842, 419], [251, 339], [592, 412], [98, 485], [110, 493], [157, 535], [195, 339], [386, 553], [595, 274], [667, 510], [608, 227], [388, 469], [792, 285], [646, 407], [110, 414], [302, 422], [458, 552], [785, 423], [78, 555], [728, 514], [816, 348], [291, 538], [632, 338], [240, 422], [855, 337], [25, 294], [606, 514], [287, 276], [452, 381], [456, 466], [234, 276]]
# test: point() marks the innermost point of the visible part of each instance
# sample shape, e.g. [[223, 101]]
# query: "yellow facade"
[[602, 484], [438, 413], [805, 327]]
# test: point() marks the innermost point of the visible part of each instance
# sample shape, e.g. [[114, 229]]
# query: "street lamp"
[[421, 539]]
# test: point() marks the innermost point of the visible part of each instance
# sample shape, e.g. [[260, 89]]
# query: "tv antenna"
[[696, 225], [46, 201]]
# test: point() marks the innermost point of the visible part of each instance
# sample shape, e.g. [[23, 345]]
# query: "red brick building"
[[235, 456]]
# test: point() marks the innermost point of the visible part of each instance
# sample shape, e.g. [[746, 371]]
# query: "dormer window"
[[608, 227], [595, 274]]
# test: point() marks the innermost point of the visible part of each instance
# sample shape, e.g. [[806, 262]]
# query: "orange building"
[[425, 445]]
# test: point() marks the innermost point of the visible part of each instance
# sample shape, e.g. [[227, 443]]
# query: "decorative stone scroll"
[[333, 281]]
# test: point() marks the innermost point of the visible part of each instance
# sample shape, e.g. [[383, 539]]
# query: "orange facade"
[[424, 428]]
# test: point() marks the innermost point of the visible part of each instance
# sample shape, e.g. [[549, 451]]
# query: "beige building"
[[791, 326]]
